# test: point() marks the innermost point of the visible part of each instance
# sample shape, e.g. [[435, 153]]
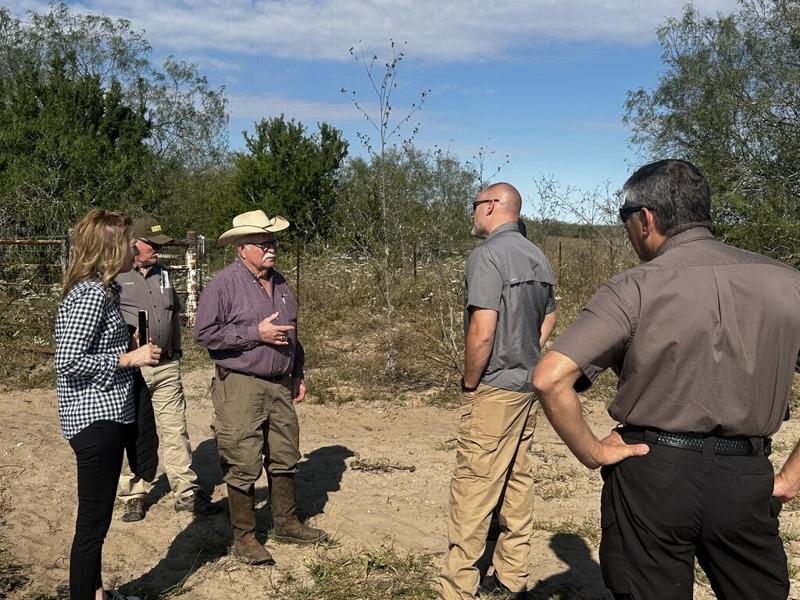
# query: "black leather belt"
[[696, 442]]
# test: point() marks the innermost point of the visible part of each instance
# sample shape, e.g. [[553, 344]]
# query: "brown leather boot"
[[287, 527], [243, 521]]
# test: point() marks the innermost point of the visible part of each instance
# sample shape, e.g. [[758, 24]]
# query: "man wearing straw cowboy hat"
[[247, 320]]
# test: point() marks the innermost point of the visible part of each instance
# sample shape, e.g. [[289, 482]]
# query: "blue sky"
[[542, 81]]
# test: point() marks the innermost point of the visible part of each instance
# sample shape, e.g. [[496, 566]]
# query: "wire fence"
[[31, 275]]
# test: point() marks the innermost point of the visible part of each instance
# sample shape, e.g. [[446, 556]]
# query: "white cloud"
[[441, 31]]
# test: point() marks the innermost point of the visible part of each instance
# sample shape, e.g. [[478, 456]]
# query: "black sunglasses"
[[266, 245], [477, 203], [626, 211]]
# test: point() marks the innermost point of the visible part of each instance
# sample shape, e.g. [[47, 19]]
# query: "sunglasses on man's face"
[[266, 245], [477, 203], [626, 211]]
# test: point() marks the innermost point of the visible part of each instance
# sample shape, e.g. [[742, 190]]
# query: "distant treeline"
[[86, 120]]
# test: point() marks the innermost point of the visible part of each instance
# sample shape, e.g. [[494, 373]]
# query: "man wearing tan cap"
[[247, 319], [148, 287]]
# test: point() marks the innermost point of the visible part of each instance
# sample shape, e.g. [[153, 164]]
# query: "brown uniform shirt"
[[153, 291], [704, 338]]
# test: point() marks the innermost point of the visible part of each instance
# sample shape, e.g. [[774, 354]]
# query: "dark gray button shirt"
[[228, 314], [154, 293], [704, 338], [510, 275]]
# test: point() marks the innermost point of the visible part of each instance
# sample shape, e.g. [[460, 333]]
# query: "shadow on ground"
[[583, 578], [206, 539]]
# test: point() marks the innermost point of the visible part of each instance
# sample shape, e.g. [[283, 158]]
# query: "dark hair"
[[675, 191]]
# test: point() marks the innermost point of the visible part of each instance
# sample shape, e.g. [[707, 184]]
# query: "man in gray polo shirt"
[[510, 313], [148, 287]]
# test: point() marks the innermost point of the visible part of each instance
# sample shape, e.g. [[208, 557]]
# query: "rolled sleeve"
[[600, 336], [551, 300], [484, 280]]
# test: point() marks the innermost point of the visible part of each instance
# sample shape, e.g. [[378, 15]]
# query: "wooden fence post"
[[191, 277], [65, 253], [559, 263]]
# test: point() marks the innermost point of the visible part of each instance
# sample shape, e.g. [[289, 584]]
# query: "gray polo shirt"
[[705, 338], [154, 293], [510, 275]]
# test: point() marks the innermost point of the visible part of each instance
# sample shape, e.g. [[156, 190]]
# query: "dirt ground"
[[172, 554]]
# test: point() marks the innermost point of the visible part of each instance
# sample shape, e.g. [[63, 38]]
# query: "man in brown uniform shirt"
[[247, 319], [148, 287], [704, 338]]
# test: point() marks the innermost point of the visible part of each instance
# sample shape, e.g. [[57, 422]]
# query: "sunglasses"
[[477, 203], [266, 245], [626, 211]]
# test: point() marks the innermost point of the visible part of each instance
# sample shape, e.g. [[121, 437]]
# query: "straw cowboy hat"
[[252, 222]]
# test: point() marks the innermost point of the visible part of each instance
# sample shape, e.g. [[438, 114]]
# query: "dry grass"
[[375, 574]]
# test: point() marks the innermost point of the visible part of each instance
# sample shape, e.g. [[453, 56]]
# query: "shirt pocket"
[[287, 306]]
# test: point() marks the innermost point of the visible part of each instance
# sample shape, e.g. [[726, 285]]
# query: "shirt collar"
[[684, 237], [267, 275], [147, 271], [512, 226]]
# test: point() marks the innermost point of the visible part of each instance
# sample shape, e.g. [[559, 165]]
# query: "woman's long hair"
[[100, 248]]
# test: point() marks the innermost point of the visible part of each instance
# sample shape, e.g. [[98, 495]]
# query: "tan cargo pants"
[[255, 423], [492, 462], [169, 406]]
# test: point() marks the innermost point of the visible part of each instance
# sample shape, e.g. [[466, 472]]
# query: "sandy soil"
[[402, 508]]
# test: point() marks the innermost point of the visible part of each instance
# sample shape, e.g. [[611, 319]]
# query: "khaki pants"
[[492, 462], [255, 423], [169, 406]]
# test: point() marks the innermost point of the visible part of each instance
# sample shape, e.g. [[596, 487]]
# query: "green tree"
[[729, 101], [86, 120], [290, 172]]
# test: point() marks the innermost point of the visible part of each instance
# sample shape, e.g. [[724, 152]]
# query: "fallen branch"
[[379, 466]]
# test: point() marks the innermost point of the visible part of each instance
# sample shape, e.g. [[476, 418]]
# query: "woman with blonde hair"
[[94, 385]]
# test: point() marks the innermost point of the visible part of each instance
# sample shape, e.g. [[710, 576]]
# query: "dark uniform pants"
[[661, 510], [255, 423]]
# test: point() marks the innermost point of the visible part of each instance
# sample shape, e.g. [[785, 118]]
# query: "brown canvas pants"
[[492, 461], [255, 423]]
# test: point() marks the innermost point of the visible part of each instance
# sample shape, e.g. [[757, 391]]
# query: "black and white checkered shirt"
[[90, 336]]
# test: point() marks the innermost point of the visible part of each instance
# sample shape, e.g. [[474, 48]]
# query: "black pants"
[[98, 452], [661, 510]]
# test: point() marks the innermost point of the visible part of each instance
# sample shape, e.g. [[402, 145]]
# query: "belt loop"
[[708, 445]]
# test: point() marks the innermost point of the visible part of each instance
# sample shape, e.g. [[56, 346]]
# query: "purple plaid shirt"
[[230, 309]]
